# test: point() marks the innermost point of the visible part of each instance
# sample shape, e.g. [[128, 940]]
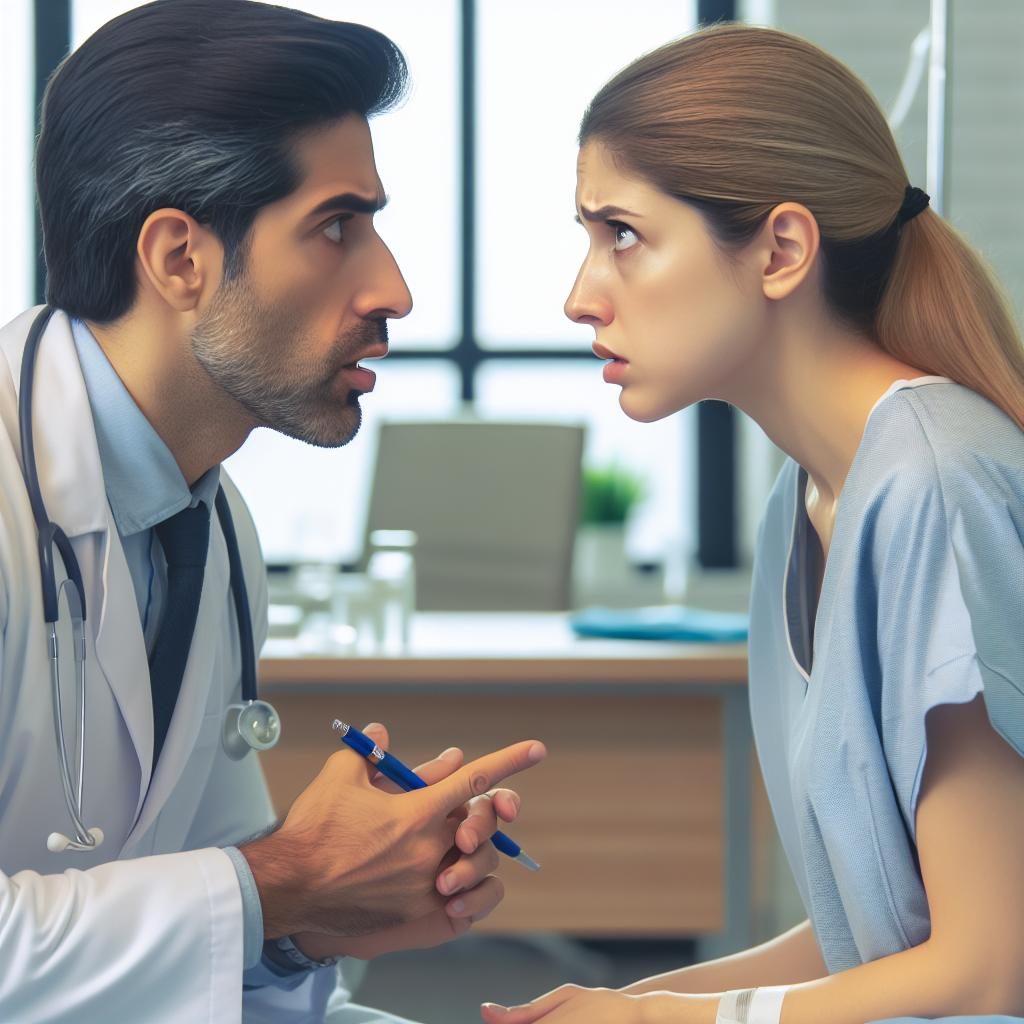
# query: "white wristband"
[[766, 1005], [752, 1006], [734, 1006]]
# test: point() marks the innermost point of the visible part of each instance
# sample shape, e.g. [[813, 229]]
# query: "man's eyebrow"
[[604, 213], [349, 202]]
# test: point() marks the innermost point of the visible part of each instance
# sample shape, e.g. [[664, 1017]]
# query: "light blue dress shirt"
[[145, 486], [922, 604]]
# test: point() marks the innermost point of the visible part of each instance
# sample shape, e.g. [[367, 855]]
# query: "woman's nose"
[[585, 306]]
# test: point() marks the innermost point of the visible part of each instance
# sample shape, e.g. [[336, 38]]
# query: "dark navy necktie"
[[185, 538]]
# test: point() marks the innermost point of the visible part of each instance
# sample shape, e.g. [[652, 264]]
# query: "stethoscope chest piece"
[[250, 725]]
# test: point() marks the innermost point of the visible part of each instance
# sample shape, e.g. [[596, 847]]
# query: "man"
[[207, 188]]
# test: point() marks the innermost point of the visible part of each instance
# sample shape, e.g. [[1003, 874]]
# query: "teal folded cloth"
[[661, 622]]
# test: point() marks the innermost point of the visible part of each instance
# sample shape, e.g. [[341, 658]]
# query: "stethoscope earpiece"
[[57, 843]]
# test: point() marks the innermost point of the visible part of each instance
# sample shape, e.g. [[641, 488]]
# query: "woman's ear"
[[179, 258], [790, 243]]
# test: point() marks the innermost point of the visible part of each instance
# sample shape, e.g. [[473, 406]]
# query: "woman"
[[754, 239]]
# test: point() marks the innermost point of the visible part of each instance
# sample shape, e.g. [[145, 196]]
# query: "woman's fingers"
[[493, 1013]]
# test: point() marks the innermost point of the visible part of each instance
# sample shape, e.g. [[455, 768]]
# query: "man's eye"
[[625, 237], [333, 230]]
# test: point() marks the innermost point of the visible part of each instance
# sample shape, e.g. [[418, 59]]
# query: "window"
[[539, 65], [17, 264]]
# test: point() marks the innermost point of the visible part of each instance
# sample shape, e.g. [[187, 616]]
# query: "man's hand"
[[353, 858], [474, 891]]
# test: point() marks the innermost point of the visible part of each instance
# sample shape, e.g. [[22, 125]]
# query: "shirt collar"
[[143, 482]]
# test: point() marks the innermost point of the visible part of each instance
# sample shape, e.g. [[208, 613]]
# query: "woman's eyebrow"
[[604, 213]]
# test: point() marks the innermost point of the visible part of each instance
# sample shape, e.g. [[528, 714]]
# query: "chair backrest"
[[495, 507]]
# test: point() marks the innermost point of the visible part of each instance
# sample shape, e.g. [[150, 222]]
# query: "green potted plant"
[[609, 492], [600, 570]]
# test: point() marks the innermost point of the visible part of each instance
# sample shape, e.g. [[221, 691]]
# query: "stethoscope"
[[252, 724]]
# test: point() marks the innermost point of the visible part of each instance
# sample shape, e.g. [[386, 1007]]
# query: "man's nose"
[[386, 294]]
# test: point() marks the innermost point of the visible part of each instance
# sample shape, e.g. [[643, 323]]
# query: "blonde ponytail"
[[944, 311]]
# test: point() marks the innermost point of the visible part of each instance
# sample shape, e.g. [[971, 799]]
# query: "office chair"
[[495, 507]]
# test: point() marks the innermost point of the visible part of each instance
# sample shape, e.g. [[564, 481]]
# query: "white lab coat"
[[147, 928]]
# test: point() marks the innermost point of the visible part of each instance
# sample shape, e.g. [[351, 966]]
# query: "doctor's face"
[[284, 339], [677, 317]]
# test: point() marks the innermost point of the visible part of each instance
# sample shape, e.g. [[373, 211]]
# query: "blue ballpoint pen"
[[391, 768]]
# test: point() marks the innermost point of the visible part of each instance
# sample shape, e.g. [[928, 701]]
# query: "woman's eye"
[[333, 230], [625, 237]]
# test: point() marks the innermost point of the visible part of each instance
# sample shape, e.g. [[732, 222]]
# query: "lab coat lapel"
[[198, 684], [71, 482], [121, 653]]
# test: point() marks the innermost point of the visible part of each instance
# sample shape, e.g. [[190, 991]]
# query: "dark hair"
[[735, 120], [195, 105]]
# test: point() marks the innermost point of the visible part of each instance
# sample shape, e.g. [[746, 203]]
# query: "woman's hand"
[[571, 1004]]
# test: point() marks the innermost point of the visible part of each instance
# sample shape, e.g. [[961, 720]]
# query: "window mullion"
[[52, 29]]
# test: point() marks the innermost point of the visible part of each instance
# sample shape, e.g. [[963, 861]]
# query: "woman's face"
[[678, 317]]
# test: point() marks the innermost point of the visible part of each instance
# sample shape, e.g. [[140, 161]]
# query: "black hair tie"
[[914, 201]]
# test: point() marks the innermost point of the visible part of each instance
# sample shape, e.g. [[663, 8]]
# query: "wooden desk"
[[640, 816]]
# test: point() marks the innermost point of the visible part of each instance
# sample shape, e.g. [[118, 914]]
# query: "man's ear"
[[791, 241], [179, 258]]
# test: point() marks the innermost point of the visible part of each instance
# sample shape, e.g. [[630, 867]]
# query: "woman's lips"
[[616, 369], [603, 353]]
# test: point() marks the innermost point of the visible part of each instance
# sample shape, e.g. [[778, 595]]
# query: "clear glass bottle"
[[392, 571]]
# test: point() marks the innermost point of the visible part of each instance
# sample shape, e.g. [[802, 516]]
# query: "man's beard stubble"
[[246, 349]]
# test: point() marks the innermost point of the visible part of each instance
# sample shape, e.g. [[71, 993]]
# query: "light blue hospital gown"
[[922, 604]]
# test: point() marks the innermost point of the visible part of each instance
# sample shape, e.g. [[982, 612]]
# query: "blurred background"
[[481, 222], [480, 168]]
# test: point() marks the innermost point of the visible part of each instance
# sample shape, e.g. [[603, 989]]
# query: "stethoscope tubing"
[[51, 536]]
